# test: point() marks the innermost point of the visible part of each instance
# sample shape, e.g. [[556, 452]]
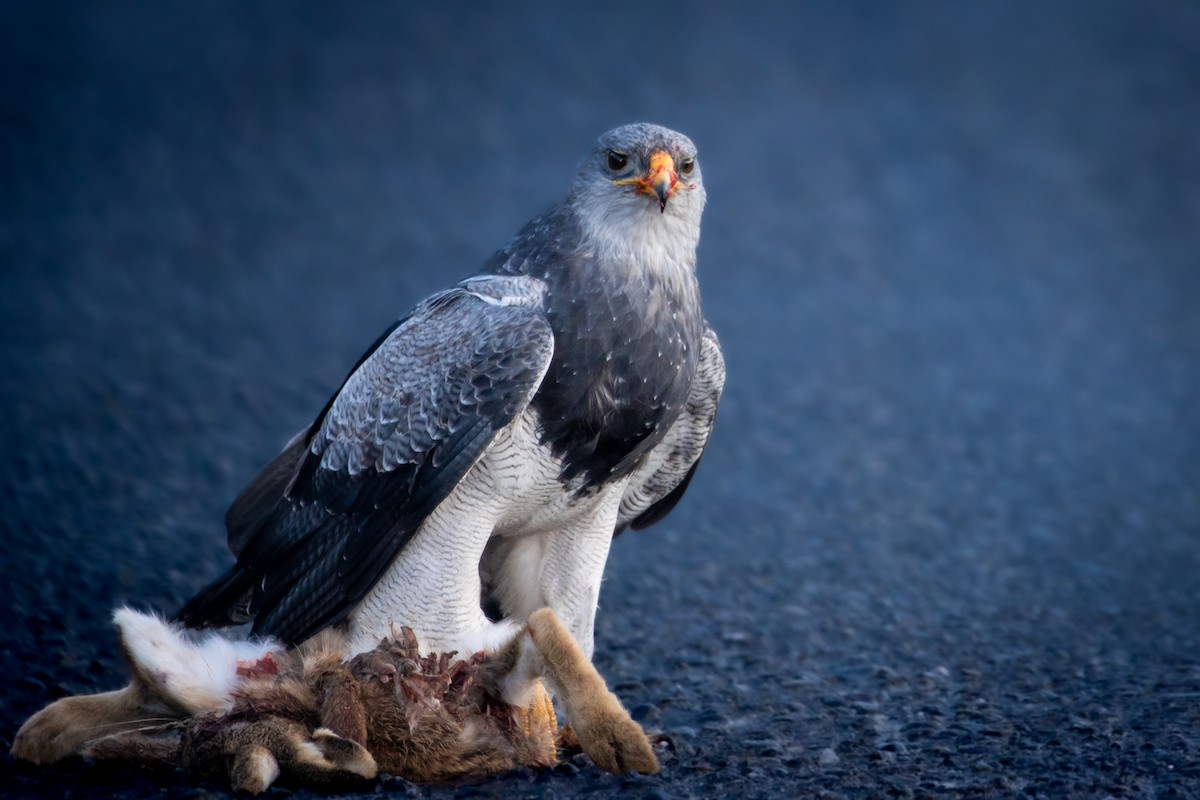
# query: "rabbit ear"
[[190, 676]]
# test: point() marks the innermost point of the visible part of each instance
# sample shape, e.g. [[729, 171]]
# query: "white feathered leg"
[[433, 586], [561, 569]]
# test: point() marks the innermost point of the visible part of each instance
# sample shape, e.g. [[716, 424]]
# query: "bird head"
[[639, 170]]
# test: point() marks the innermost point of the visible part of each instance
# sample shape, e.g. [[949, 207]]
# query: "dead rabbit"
[[251, 713]]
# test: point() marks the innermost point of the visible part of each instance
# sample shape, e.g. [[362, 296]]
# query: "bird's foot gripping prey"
[[483, 454], [248, 713]]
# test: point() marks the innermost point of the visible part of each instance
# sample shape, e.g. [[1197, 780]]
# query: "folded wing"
[[659, 483], [323, 521]]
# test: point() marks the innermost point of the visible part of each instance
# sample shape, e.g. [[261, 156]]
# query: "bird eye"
[[617, 161], [687, 165]]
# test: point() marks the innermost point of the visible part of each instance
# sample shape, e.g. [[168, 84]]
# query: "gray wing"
[[407, 424], [658, 484]]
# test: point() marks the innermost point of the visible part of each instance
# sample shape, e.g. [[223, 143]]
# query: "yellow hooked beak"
[[659, 181]]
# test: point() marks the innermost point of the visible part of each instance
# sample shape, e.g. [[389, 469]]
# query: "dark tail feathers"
[[224, 602]]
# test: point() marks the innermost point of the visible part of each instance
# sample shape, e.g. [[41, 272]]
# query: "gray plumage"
[[489, 445]]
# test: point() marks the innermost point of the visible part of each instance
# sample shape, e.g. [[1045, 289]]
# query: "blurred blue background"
[[944, 540]]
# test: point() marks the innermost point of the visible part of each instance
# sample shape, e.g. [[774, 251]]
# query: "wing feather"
[[658, 485], [255, 504], [408, 423]]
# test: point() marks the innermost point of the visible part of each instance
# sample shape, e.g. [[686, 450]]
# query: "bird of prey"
[[485, 451]]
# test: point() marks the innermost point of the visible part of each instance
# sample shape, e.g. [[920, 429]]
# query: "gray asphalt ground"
[[944, 541]]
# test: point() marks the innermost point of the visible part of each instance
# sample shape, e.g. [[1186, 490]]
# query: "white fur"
[[266, 770], [309, 753], [518, 686], [488, 638], [198, 674]]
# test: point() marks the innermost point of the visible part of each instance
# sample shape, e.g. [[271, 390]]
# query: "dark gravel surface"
[[944, 542]]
